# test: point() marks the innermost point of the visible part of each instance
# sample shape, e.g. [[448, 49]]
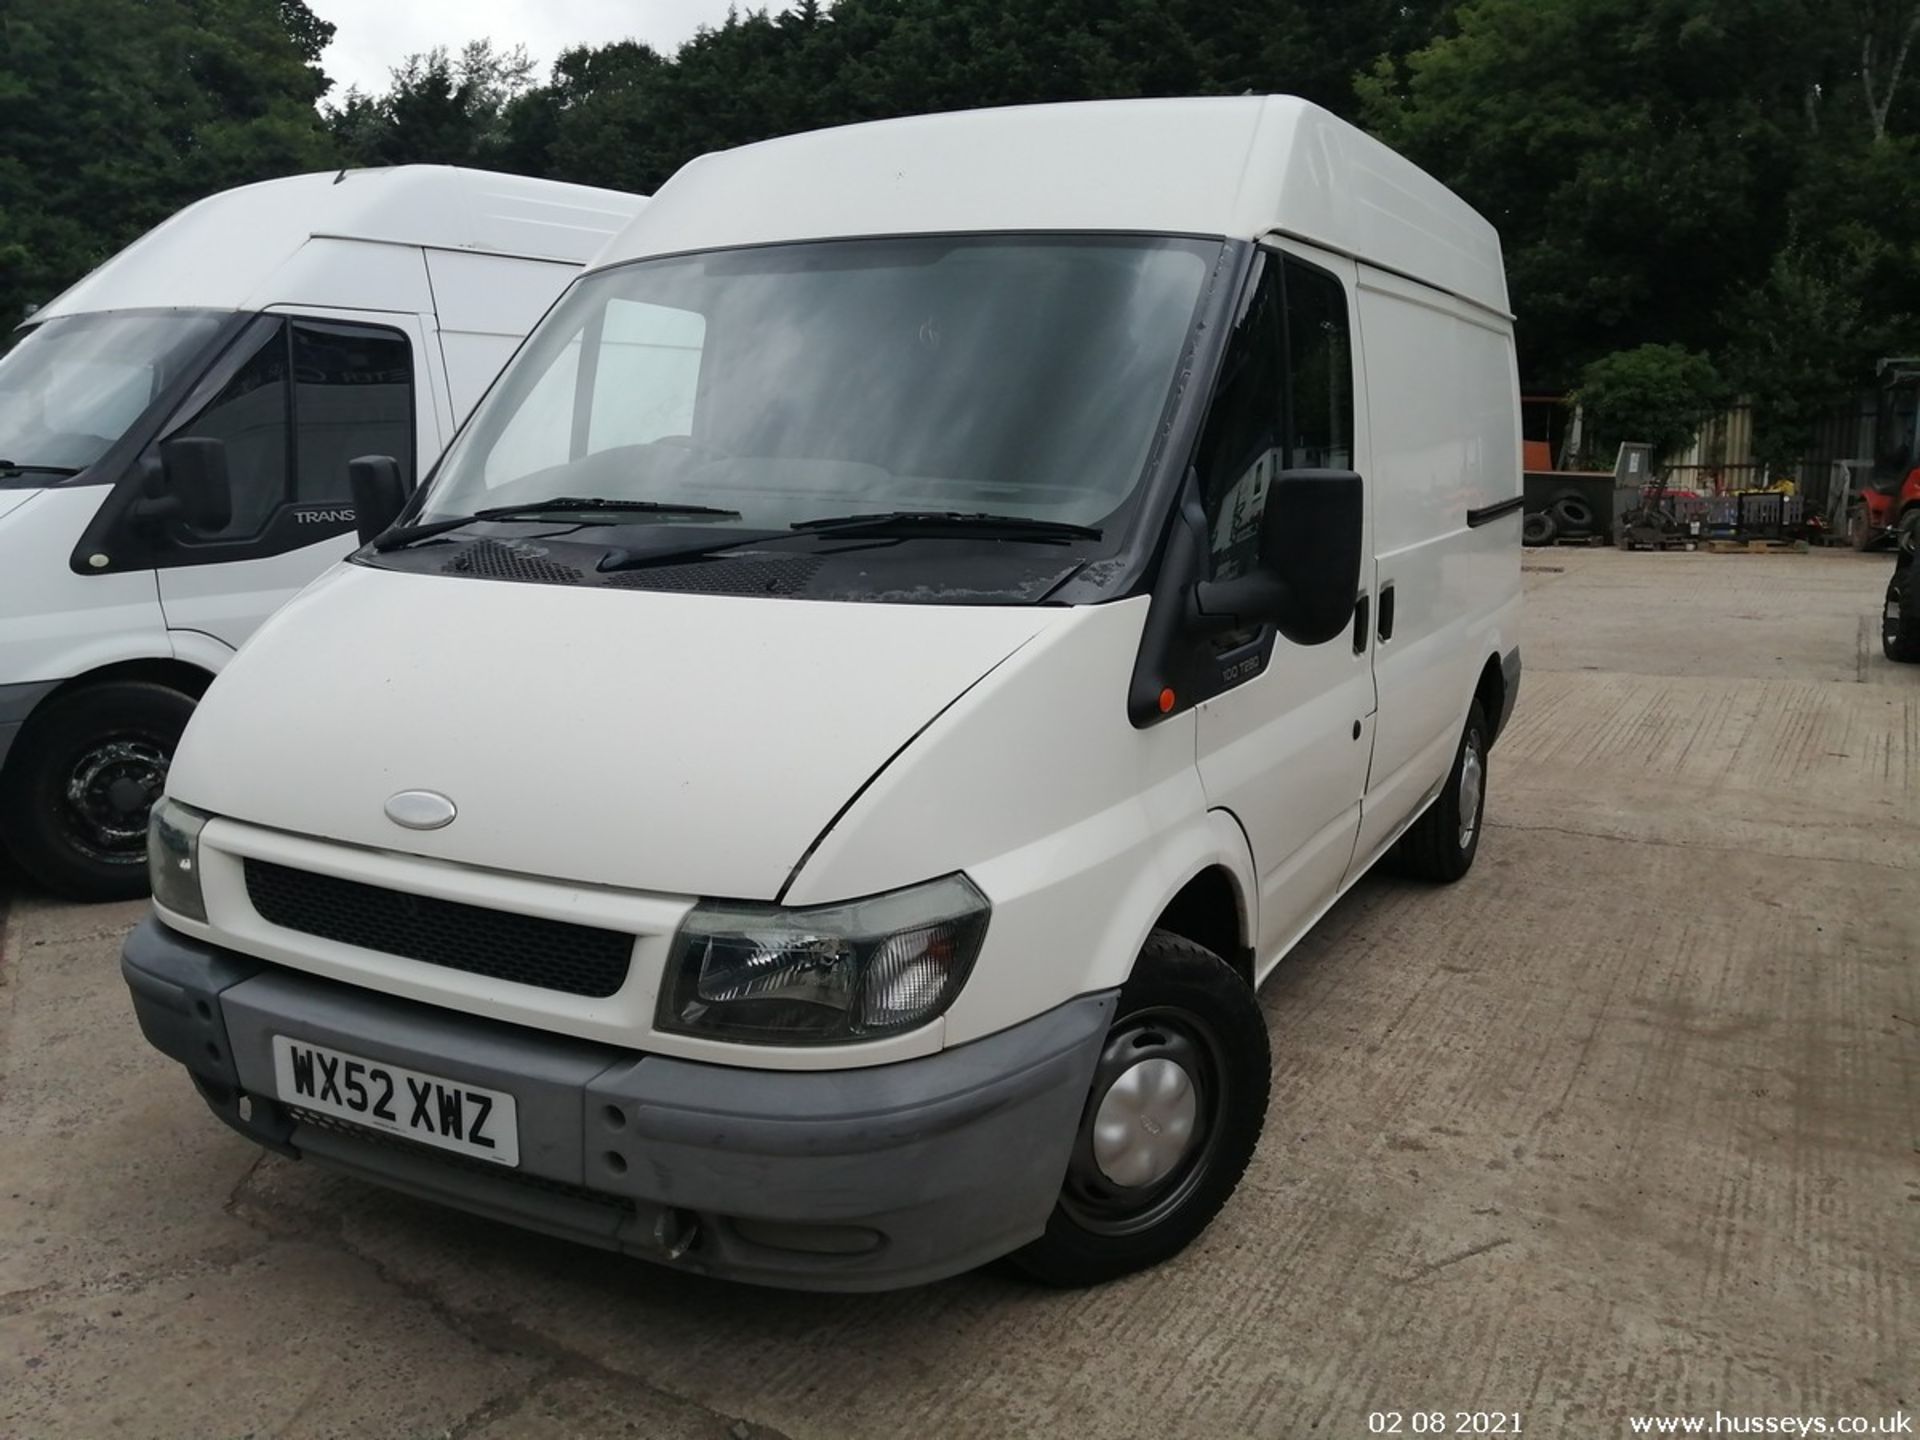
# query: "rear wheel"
[[80, 780], [1442, 843], [1178, 1101]]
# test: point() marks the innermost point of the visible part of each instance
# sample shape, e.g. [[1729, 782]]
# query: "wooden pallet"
[[1755, 547]]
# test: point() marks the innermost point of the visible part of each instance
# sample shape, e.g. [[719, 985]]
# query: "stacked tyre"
[[1567, 517]]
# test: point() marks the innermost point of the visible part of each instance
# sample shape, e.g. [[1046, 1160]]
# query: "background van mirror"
[[193, 485]]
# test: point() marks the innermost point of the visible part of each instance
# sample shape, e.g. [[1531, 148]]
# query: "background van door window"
[[352, 396], [309, 397], [250, 417]]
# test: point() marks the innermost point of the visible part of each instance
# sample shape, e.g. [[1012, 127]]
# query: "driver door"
[[1285, 744]]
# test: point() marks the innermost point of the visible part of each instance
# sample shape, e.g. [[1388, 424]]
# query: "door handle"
[[1386, 611], [1360, 613]]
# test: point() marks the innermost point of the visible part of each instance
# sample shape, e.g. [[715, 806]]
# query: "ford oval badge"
[[420, 809]]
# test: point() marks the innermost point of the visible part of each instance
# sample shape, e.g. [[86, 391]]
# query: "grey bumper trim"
[[845, 1179]]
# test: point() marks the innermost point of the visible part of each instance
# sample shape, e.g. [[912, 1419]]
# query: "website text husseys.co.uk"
[[1721, 1423]]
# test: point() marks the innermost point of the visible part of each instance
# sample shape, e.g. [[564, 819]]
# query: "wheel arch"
[[178, 675], [190, 680], [1206, 893], [1210, 911], [1491, 691]]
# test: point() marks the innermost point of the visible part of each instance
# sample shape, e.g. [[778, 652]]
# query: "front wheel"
[[80, 780], [1179, 1098]]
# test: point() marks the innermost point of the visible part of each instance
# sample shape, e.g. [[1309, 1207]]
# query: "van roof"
[[223, 252], [1238, 167]]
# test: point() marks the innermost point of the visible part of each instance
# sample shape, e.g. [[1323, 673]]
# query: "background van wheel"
[[1178, 1101], [1900, 622], [80, 779], [1442, 843]]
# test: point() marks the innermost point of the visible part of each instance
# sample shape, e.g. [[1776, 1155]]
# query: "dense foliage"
[[1736, 181], [115, 113]]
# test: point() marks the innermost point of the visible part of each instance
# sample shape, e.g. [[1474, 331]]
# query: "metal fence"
[[1721, 461]]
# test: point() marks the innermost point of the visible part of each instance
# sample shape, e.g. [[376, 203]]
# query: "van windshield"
[[1015, 376], [73, 385]]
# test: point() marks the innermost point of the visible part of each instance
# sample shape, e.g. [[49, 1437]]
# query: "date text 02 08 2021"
[[1443, 1422]]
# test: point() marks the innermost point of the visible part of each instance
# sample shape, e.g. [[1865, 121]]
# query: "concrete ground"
[[1626, 1122]]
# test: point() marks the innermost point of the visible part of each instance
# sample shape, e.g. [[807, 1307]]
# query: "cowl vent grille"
[[723, 577], [493, 560]]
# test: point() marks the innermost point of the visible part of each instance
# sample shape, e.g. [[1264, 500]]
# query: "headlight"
[[823, 976], [173, 858]]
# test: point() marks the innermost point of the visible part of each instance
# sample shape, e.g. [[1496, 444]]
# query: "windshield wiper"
[[885, 525], [408, 534], [973, 524], [10, 467]]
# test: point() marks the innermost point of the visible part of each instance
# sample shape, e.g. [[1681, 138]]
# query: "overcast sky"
[[372, 36]]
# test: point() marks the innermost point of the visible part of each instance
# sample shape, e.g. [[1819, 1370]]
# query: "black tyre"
[[1178, 1101], [1571, 513], [80, 779], [1907, 532], [1900, 615], [1441, 844], [1538, 529]]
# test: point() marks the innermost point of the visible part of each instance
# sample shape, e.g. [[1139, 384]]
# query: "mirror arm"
[[1246, 600]]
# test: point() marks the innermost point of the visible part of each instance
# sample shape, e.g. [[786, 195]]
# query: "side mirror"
[[192, 484], [1308, 570], [379, 493]]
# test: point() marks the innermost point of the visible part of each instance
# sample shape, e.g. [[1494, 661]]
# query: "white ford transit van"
[[809, 791], [174, 434]]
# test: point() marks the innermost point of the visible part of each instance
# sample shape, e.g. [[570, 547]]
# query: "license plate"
[[447, 1114]]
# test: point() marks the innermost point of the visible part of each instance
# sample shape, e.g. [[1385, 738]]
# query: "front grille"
[[525, 949]]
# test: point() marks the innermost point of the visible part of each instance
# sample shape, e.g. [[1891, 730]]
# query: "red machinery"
[[1891, 494]]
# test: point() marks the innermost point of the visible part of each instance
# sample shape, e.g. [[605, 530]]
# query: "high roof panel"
[[1239, 167], [223, 252]]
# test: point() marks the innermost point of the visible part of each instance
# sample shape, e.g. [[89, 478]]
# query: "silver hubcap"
[[1145, 1123], [1472, 773]]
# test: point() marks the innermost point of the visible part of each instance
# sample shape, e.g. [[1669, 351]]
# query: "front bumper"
[[831, 1180]]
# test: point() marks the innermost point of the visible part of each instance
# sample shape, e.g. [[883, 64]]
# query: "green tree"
[[440, 109], [1659, 394], [115, 113], [1638, 158]]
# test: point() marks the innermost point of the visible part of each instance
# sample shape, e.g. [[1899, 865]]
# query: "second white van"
[[174, 437], [913, 639]]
